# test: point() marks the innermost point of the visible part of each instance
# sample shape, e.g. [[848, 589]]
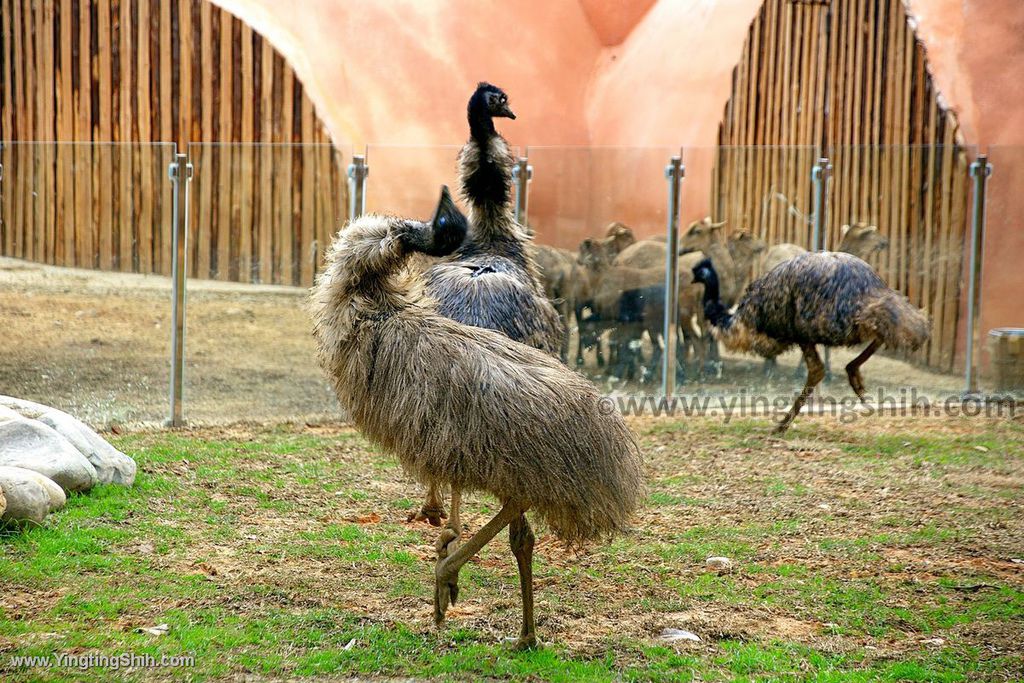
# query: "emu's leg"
[[432, 509], [520, 537], [815, 373], [447, 542], [769, 367], [853, 370], [579, 336], [446, 571], [828, 365]]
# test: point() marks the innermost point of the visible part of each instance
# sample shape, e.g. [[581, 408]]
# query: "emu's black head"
[[442, 234], [489, 101], [704, 273]]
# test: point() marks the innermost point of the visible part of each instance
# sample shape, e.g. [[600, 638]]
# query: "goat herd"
[[442, 346]]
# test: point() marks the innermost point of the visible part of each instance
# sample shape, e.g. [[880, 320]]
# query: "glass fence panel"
[[261, 216], [1000, 323], [599, 216], [905, 210], [85, 234]]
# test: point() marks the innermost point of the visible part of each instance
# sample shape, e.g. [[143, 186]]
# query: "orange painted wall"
[[650, 74]]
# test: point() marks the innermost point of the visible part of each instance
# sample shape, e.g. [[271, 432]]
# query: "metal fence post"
[[674, 173], [180, 173], [357, 173], [820, 174], [980, 171], [522, 173]]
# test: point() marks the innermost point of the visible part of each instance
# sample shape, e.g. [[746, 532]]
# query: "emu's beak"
[[506, 112]]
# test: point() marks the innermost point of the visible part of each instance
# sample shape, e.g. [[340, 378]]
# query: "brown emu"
[[827, 298], [491, 280], [467, 406]]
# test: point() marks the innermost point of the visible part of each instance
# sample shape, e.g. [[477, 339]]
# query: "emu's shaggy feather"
[[463, 405], [828, 298]]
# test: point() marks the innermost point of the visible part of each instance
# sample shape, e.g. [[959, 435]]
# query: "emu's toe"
[[446, 543], [434, 515], [446, 590]]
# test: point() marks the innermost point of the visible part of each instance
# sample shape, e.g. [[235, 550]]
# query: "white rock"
[[674, 634], [35, 446], [57, 497], [112, 466], [718, 564], [27, 499], [3, 501]]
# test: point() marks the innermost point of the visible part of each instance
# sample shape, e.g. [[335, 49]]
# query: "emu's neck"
[[485, 176], [714, 310], [725, 266], [481, 124]]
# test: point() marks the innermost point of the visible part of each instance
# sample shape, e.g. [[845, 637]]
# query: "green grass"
[[286, 554]]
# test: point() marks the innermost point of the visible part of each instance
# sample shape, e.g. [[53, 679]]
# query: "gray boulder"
[[35, 446], [57, 497], [27, 499], [112, 466]]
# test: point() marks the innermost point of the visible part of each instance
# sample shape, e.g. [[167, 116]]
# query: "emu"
[[828, 298], [466, 406], [491, 280]]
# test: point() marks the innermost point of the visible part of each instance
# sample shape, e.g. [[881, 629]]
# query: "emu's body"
[[466, 406], [827, 298], [491, 281]]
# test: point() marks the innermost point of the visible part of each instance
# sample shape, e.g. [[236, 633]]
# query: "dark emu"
[[491, 280], [827, 298], [466, 406]]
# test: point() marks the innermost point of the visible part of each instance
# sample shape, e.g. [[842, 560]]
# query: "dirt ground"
[[97, 345]]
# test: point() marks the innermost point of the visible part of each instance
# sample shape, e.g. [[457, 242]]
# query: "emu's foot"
[[434, 515], [713, 369], [446, 543], [857, 384], [446, 589], [523, 643], [781, 427]]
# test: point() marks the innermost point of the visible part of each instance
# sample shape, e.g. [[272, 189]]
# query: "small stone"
[[158, 630], [981, 449], [35, 446], [26, 499], [718, 564], [673, 634], [56, 494], [112, 466], [933, 641]]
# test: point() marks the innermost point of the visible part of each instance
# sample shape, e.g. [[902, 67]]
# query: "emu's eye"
[[442, 221]]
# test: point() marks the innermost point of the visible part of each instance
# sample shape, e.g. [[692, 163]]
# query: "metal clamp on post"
[[522, 174], [180, 173], [820, 175], [980, 171], [674, 173], [357, 174]]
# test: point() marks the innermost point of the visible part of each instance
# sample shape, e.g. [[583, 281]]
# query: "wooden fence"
[[848, 80], [134, 73]]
